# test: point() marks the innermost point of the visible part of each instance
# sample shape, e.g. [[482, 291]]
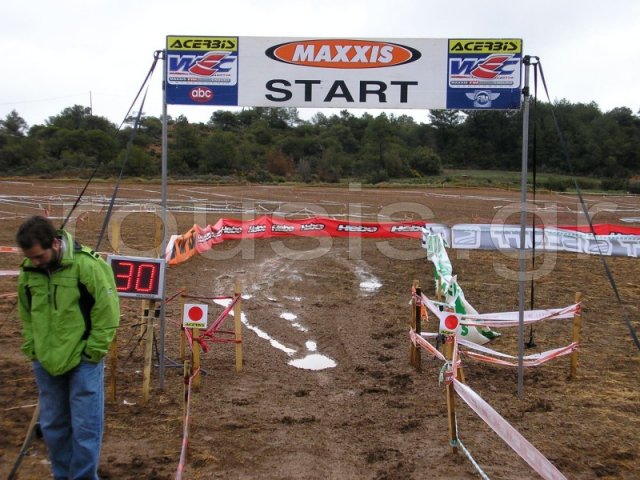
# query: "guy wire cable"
[[136, 127], [565, 153], [534, 161], [156, 55]]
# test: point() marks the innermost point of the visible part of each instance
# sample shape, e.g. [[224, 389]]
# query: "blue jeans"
[[72, 418]]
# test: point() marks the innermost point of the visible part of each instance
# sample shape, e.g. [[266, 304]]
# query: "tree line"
[[273, 144]]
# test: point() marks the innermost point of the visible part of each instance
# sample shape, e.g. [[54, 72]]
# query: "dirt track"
[[372, 415]]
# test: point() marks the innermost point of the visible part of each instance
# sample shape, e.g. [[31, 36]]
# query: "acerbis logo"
[[485, 46], [201, 94], [343, 53]]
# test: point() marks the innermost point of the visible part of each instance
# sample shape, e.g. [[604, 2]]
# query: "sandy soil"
[[372, 416]]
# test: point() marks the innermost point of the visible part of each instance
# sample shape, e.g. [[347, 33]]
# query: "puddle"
[[264, 335], [261, 333], [368, 283], [314, 361], [295, 299], [291, 318]]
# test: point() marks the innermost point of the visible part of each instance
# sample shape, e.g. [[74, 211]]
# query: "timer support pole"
[[163, 210], [523, 224]]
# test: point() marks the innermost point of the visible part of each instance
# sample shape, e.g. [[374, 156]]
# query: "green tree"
[[13, 125]]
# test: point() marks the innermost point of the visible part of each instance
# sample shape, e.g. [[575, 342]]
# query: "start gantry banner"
[[344, 72]]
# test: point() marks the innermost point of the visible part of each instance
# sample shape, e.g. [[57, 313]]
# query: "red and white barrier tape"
[[418, 340], [511, 319], [505, 319], [510, 435], [185, 432], [534, 360], [9, 273]]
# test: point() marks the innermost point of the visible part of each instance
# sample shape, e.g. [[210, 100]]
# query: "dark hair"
[[36, 230]]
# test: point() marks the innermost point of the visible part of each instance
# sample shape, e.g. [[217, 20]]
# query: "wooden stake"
[[577, 323], [113, 362], [27, 442], [237, 316], [186, 373], [148, 359], [451, 405], [195, 332], [413, 349], [144, 306], [183, 335]]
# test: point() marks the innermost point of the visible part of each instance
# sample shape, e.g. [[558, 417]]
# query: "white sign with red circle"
[[195, 315]]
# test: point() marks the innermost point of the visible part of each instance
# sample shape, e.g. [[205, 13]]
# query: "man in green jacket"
[[70, 310]]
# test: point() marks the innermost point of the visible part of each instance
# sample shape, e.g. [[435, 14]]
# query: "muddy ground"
[[371, 416]]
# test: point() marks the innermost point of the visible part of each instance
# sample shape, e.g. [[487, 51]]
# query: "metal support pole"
[[163, 208], [523, 224]]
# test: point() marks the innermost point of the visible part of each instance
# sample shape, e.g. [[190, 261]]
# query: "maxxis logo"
[[343, 53]]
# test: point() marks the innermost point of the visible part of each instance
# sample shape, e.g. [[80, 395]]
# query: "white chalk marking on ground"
[[258, 331]]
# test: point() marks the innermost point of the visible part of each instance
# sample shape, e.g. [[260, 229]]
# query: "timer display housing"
[[138, 277]]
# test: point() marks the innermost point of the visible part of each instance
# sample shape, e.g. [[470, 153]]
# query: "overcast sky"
[[97, 52]]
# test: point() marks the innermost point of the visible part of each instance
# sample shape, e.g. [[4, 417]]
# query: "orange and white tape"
[[534, 360], [9, 273], [510, 435], [418, 340]]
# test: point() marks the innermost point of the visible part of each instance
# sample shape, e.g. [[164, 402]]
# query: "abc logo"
[[201, 94]]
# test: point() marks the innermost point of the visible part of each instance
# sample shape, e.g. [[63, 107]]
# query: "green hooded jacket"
[[70, 313]]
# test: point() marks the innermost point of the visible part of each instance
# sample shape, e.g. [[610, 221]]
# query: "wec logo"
[[486, 68], [207, 65]]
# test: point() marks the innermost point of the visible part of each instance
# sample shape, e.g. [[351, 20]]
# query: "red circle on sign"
[[451, 322], [195, 314]]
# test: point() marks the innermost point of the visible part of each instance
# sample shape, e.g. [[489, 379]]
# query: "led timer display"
[[138, 277]]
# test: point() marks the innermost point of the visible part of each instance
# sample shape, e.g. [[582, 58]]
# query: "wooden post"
[[195, 332], [148, 358], [577, 323], [414, 349], [183, 335], [451, 405], [113, 362], [186, 373], [237, 317], [144, 315]]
